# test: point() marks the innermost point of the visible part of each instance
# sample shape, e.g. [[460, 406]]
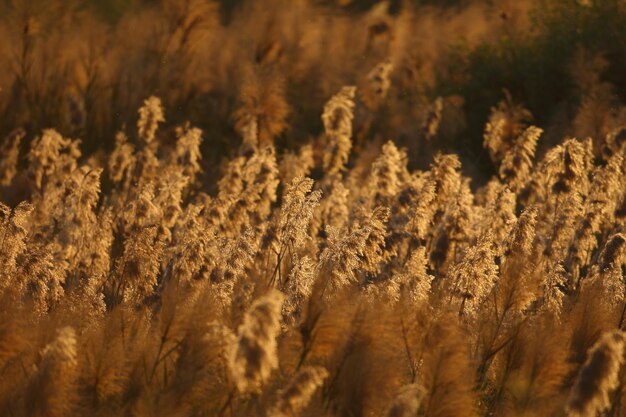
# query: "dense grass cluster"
[[370, 290], [346, 266]]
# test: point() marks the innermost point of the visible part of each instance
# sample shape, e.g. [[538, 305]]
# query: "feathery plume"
[[253, 356], [136, 271], [248, 126], [40, 277], [362, 248], [499, 214], [518, 161], [375, 252], [191, 241], [552, 286], [299, 287], [615, 142], [260, 176], [296, 396], [10, 151], [378, 83], [476, 274], [493, 136], [150, 115], [506, 122], [341, 258], [121, 159], [187, 153], [611, 283], [388, 173], [51, 154], [584, 241], [445, 172], [562, 229], [454, 227], [296, 212], [294, 165], [571, 164], [415, 282], [520, 240], [606, 183], [417, 196], [234, 257], [231, 183], [334, 208], [430, 125], [614, 252], [169, 197], [13, 229], [337, 119], [598, 376], [141, 211]]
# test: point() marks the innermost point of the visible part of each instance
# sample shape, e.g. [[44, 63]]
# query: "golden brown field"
[[312, 208]]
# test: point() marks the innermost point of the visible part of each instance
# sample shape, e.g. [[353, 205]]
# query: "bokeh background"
[[85, 67]]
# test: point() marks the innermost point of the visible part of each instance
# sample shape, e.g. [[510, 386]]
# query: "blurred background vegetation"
[[86, 66]]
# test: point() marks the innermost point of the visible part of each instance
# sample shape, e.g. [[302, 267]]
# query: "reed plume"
[[10, 152], [253, 356], [388, 175], [187, 153], [518, 161], [474, 277], [14, 232], [150, 115], [296, 213], [378, 84], [296, 395], [506, 122], [430, 125], [598, 376], [337, 118]]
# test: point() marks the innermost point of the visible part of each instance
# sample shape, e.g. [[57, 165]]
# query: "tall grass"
[[324, 268]]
